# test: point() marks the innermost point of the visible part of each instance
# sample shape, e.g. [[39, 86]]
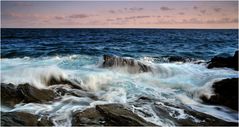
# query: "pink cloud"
[[79, 16]]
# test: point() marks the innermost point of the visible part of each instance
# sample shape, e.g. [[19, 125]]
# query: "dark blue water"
[[202, 44]]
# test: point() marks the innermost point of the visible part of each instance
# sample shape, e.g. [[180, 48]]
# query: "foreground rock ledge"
[[205, 119], [23, 119], [108, 115]]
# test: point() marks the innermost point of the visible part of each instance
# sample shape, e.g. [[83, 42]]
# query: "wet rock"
[[61, 91], [226, 93], [132, 65], [9, 95], [89, 116], [12, 95], [32, 94], [176, 59], [224, 61], [121, 116], [109, 115], [194, 117], [44, 121], [23, 119], [60, 80]]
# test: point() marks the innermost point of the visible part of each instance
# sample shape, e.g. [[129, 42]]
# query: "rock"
[[176, 59], [121, 116], [9, 95], [196, 119], [12, 95], [226, 93], [88, 117], [32, 94], [132, 65], [108, 115], [23, 119], [61, 91], [60, 80], [221, 61], [44, 121]]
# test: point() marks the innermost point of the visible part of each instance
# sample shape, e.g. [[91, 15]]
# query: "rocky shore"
[[108, 115], [116, 114]]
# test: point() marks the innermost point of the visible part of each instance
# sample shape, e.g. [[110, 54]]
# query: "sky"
[[119, 14]]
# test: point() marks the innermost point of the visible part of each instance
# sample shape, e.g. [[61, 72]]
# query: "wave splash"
[[168, 83]]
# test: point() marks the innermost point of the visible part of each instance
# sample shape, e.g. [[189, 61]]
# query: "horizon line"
[[107, 28]]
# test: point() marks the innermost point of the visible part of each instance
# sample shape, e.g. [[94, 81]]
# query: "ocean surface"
[[32, 55]]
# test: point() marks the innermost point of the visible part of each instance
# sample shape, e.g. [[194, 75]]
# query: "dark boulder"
[[133, 66], [23, 119], [12, 95], [177, 59], [9, 95], [109, 115], [224, 61], [226, 93], [32, 94]]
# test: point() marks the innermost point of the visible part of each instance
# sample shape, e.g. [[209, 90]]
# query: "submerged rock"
[[32, 94], [224, 61], [132, 65], [109, 115], [61, 91], [10, 95], [23, 119], [226, 93]]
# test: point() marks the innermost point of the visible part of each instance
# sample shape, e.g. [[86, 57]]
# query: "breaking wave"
[[172, 82]]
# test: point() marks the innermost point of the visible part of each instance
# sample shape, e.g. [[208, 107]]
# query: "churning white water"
[[174, 83]]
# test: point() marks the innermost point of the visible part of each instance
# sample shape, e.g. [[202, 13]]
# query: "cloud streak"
[[163, 8], [78, 16], [127, 10], [217, 9], [203, 11], [110, 14], [195, 7], [181, 13]]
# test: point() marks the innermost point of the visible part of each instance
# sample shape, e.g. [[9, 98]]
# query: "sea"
[[33, 55]]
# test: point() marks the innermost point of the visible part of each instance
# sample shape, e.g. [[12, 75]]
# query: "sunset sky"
[[124, 14]]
